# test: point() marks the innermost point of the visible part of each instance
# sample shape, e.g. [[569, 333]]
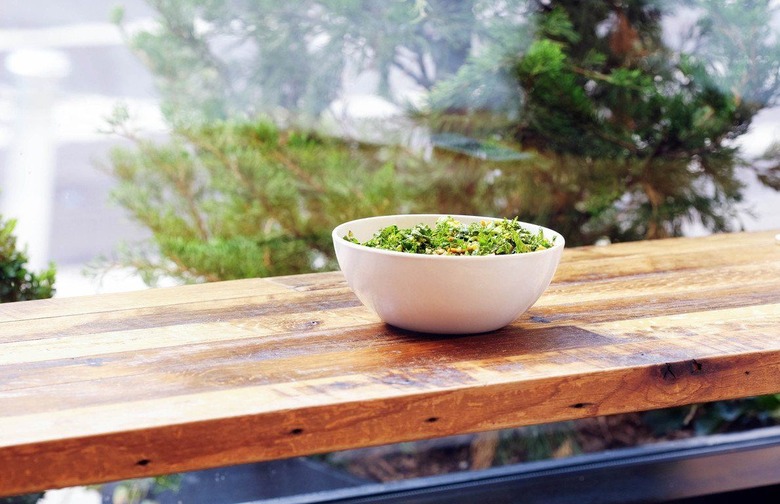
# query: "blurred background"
[[72, 67], [452, 84]]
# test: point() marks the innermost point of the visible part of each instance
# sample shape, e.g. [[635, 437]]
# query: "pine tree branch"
[[186, 192], [424, 69], [297, 171], [590, 74], [185, 268], [621, 143], [185, 32], [233, 167], [419, 74]]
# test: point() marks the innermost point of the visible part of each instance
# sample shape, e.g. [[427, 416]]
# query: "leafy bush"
[[239, 199], [629, 139], [17, 283]]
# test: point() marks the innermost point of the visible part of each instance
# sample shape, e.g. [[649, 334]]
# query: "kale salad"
[[454, 238]]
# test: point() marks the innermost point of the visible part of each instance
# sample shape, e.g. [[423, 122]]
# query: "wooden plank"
[[132, 384], [672, 255], [223, 346], [301, 429], [715, 280], [167, 296], [206, 311]]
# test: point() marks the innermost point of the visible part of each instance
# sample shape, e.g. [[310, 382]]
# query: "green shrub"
[[239, 199], [17, 283], [629, 138]]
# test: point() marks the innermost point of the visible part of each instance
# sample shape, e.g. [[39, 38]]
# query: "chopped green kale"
[[451, 237]]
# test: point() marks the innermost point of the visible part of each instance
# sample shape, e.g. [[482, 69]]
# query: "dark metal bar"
[[656, 473]]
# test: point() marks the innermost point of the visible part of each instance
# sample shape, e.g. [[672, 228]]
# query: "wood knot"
[[667, 372], [672, 371], [581, 405]]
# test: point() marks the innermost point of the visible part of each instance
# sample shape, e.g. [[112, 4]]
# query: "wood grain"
[[115, 386]]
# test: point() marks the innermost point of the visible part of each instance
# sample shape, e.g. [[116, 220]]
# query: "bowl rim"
[[560, 241]]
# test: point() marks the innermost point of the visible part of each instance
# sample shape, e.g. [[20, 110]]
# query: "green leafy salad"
[[452, 237]]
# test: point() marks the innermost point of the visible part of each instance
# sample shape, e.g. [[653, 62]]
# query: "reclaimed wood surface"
[[124, 385]]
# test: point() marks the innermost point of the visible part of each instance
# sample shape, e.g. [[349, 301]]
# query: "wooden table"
[[115, 386]]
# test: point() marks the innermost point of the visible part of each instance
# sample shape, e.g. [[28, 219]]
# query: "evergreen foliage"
[[216, 60], [581, 119], [631, 139], [237, 199], [17, 283]]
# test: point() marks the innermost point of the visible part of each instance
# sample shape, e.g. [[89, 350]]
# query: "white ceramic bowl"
[[443, 294]]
